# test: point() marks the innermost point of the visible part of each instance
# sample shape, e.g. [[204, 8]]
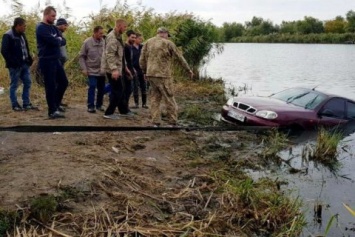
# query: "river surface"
[[263, 69]]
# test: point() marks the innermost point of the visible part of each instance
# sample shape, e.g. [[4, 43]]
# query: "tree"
[[310, 25], [350, 17], [335, 26], [232, 30], [197, 38], [259, 26], [288, 27]]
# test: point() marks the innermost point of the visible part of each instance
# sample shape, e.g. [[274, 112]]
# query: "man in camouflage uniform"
[[156, 62], [113, 64]]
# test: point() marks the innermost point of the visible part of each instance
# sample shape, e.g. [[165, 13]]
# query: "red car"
[[292, 108]]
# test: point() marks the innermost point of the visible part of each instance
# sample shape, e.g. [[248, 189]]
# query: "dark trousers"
[[96, 82], [117, 97], [128, 90], [139, 82], [55, 82]]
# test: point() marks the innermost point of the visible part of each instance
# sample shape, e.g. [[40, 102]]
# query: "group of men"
[[127, 66]]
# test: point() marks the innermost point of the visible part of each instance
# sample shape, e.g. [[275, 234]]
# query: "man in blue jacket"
[[18, 59], [49, 41]]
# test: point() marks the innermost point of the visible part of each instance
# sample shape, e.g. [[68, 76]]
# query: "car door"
[[333, 112]]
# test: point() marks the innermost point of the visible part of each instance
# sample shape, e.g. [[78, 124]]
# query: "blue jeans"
[[21, 73], [99, 83], [55, 82]]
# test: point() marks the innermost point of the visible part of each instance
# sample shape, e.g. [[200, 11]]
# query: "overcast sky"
[[218, 11]]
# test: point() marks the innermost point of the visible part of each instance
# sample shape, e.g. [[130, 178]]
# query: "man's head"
[[120, 26], [62, 24], [163, 32], [139, 39], [49, 15], [98, 32], [19, 25], [131, 37]]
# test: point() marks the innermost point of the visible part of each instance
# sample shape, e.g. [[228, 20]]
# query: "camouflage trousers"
[[162, 89]]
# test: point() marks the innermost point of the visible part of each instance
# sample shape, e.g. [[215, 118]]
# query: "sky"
[[217, 11]]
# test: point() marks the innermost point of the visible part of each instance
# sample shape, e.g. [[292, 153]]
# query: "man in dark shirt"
[[49, 41], [138, 79], [129, 71], [18, 59]]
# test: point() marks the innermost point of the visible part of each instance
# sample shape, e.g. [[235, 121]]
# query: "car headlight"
[[230, 101], [266, 114]]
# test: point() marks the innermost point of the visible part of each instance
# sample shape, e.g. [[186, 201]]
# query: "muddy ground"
[[147, 183]]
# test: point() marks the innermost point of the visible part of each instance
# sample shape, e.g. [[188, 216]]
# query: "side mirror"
[[326, 112]]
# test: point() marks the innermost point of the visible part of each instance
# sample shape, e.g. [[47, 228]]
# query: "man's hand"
[[85, 72], [115, 74], [191, 74]]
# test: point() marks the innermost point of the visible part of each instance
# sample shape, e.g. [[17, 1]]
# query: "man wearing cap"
[[156, 61], [49, 41], [62, 26]]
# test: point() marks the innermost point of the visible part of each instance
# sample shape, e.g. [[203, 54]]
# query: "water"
[[269, 68]]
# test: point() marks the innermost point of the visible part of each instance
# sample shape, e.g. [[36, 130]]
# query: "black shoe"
[[56, 115], [136, 106], [91, 110], [145, 106], [17, 108], [30, 107]]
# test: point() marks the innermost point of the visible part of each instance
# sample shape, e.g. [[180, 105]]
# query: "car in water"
[[295, 108]]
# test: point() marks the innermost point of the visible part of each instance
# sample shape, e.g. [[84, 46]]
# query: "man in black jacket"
[[18, 59], [49, 41]]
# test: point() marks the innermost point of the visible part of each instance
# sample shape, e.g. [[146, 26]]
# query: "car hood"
[[268, 103]]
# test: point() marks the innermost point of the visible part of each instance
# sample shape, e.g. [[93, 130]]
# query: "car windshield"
[[301, 97]]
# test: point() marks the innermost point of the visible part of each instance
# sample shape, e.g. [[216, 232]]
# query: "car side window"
[[351, 109], [334, 108]]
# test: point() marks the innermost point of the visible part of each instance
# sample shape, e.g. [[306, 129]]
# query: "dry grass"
[[148, 198]]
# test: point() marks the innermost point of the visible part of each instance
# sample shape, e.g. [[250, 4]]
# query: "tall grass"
[[195, 45], [326, 149]]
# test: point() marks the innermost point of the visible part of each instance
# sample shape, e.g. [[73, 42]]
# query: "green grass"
[[43, 207]]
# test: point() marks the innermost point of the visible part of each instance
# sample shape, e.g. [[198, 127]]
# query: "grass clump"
[[326, 149], [274, 142], [43, 207], [197, 115], [259, 207], [7, 221]]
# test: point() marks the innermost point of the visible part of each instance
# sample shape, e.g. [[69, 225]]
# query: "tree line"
[[309, 30]]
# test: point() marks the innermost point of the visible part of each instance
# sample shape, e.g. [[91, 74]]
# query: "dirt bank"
[[152, 183]]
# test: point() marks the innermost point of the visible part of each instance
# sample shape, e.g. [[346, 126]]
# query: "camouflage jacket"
[[157, 57], [112, 56]]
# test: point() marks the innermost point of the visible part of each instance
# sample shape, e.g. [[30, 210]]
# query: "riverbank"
[[161, 183]]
